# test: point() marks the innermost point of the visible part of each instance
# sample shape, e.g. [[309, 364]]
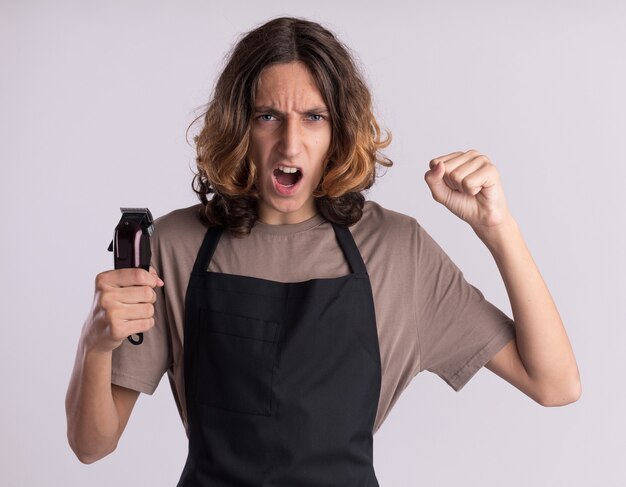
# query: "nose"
[[291, 139]]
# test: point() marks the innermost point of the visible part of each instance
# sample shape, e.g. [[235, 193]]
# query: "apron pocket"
[[235, 361]]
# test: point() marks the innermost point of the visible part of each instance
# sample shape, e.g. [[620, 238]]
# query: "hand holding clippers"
[[131, 245]]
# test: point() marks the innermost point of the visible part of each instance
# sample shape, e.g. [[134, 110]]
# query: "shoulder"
[[383, 231], [380, 220], [180, 219], [179, 232], [178, 223]]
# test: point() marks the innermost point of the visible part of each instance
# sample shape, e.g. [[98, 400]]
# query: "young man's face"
[[290, 130]]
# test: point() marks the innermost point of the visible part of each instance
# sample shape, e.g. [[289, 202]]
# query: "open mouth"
[[287, 176]]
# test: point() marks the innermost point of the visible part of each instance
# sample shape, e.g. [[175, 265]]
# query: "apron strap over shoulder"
[[209, 244], [350, 250]]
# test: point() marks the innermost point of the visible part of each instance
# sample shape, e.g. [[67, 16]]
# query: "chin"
[[287, 209]]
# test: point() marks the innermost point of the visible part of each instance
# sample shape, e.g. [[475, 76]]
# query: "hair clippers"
[[131, 245]]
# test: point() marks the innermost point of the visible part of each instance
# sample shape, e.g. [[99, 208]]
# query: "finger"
[[434, 179], [132, 327], [125, 312], [136, 294], [445, 158], [456, 176], [113, 298], [484, 177], [127, 277], [139, 326], [461, 158], [456, 161], [154, 272]]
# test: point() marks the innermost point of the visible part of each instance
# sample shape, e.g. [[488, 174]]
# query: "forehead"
[[287, 84]]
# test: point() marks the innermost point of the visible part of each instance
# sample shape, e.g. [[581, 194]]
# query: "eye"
[[316, 117], [266, 117]]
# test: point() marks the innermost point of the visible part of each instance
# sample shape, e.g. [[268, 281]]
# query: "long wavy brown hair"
[[222, 144]]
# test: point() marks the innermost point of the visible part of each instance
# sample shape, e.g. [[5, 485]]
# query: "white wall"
[[95, 98]]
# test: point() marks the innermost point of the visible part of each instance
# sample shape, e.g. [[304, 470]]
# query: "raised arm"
[[97, 411], [539, 361]]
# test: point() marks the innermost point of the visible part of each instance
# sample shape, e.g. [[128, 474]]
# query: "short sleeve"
[[140, 367], [458, 330]]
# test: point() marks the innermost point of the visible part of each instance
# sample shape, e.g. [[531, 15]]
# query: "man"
[[295, 312]]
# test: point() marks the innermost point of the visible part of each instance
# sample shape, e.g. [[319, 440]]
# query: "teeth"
[[288, 170]]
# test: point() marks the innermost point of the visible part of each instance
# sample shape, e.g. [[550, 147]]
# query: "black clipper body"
[[131, 245]]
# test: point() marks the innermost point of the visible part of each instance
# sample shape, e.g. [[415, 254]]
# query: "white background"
[[95, 99]]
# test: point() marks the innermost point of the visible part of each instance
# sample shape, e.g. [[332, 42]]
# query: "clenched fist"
[[123, 305], [468, 184]]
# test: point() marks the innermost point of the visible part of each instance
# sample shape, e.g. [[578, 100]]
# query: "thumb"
[[160, 282], [434, 180]]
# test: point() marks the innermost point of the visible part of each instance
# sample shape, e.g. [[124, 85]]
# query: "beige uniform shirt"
[[428, 316]]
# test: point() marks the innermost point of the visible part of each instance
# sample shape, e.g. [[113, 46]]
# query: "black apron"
[[282, 380]]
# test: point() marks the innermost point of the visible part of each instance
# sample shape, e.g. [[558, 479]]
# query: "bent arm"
[[540, 360], [97, 411]]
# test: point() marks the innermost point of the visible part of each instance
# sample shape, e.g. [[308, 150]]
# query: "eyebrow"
[[272, 110]]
